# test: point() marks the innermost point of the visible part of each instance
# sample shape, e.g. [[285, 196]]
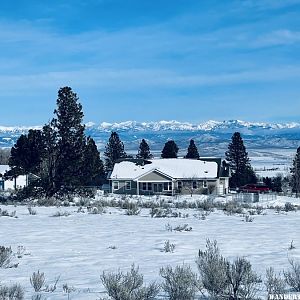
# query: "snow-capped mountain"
[[186, 126], [212, 136]]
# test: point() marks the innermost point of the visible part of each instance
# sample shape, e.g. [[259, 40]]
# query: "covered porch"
[[155, 182]]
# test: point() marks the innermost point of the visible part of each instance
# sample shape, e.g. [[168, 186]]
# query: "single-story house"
[[170, 176], [13, 184]]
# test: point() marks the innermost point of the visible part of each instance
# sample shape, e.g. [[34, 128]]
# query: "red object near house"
[[254, 188]]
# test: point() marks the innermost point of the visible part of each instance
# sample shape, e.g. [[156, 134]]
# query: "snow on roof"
[[174, 167]]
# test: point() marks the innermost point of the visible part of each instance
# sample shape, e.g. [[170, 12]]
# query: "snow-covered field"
[[78, 247], [271, 162]]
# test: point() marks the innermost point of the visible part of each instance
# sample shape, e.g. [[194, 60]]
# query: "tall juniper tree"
[[170, 150], [295, 172], [71, 139], [192, 152], [144, 150], [60, 154], [93, 165], [239, 162], [114, 150]]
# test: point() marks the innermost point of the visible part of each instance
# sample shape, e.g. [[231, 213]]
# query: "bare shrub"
[[288, 206], [31, 210], [212, 268], [184, 227], [95, 210], [13, 292], [128, 286], [68, 289], [37, 281], [50, 288], [21, 251], [274, 283], [179, 283], [61, 214], [291, 246], [242, 280], [248, 219], [169, 247], [6, 257], [206, 205], [132, 209], [168, 227], [222, 279], [231, 208], [5, 213], [292, 276]]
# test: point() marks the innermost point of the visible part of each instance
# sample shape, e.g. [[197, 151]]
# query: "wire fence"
[[254, 197]]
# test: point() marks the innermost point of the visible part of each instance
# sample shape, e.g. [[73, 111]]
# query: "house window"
[[144, 186], [115, 185], [167, 186], [179, 185], [205, 184], [128, 185], [149, 186], [194, 184]]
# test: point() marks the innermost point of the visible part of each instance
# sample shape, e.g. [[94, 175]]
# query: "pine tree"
[[71, 140], [144, 150], [295, 172], [47, 171], [94, 171], [237, 156], [114, 150], [26, 154], [170, 150], [192, 152]]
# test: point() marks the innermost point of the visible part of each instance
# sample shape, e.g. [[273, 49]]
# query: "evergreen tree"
[[114, 150], [192, 152], [295, 172], [268, 182], [26, 154], [144, 150], [277, 183], [237, 156], [71, 140], [60, 154], [170, 150], [93, 165], [50, 153]]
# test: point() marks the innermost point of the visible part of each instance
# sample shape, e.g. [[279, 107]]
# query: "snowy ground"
[[77, 247], [271, 162]]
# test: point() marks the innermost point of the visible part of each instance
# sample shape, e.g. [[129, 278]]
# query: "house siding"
[[154, 176], [122, 187], [187, 187]]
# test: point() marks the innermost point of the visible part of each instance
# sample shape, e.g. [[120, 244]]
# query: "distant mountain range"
[[210, 125], [211, 136]]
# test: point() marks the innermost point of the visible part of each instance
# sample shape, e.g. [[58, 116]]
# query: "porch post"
[[172, 188], [137, 187]]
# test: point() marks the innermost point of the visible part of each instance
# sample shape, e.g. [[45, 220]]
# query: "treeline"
[[60, 158]]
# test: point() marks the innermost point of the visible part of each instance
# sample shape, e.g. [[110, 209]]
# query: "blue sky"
[[149, 60]]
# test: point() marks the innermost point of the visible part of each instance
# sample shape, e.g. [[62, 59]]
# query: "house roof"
[[176, 168]]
